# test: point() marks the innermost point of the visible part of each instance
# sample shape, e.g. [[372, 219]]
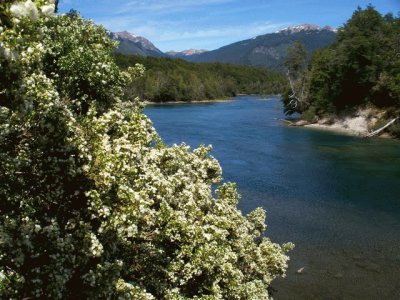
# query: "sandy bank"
[[360, 123], [354, 126]]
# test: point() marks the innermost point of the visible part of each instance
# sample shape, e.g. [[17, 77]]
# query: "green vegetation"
[[361, 68], [93, 205], [296, 64], [178, 80]]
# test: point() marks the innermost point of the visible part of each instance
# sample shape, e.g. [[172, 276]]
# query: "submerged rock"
[[338, 275], [301, 271]]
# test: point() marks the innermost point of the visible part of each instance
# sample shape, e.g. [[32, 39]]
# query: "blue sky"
[[210, 24]]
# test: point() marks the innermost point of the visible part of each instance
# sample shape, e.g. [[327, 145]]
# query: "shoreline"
[[188, 102], [337, 129], [361, 123], [347, 131], [267, 98]]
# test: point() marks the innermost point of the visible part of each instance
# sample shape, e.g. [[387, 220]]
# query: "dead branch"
[[376, 132]]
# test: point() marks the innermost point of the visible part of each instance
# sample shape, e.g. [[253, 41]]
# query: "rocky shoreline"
[[361, 123]]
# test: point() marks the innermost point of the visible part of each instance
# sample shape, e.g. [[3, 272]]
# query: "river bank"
[[187, 102], [361, 123]]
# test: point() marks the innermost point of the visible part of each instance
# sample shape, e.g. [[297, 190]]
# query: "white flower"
[[27, 9], [2, 276], [18, 10], [37, 228], [6, 52], [96, 248], [48, 10], [131, 230], [32, 10]]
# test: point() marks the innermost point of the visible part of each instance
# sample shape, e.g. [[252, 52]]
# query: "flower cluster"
[[26, 9], [92, 203]]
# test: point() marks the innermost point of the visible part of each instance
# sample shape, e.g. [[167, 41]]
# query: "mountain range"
[[186, 53], [135, 45], [267, 51]]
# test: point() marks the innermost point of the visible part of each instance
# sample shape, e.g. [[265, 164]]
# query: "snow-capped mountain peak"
[[188, 52], [125, 35], [305, 27]]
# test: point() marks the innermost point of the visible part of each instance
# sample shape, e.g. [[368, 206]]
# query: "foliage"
[[295, 99], [394, 129], [92, 204], [296, 58], [178, 80], [361, 67]]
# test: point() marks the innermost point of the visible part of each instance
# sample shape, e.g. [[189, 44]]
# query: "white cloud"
[[182, 24], [249, 30], [210, 38]]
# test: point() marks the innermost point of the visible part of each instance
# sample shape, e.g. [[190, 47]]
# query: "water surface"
[[337, 197]]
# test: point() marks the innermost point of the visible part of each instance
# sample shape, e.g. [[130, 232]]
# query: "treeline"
[[361, 68], [168, 79]]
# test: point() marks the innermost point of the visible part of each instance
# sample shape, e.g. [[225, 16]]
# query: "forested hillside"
[[178, 80], [362, 68], [270, 50]]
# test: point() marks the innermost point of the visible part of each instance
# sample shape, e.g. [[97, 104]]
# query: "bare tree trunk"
[[297, 87], [376, 132], [293, 95]]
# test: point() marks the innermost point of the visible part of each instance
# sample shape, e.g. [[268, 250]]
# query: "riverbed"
[[337, 197]]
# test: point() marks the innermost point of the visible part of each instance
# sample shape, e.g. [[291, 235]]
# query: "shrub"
[[93, 204]]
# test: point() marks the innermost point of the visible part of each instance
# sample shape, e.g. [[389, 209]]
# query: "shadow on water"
[[335, 196]]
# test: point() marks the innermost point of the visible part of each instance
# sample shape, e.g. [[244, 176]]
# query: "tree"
[[92, 204], [360, 69], [296, 64], [363, 42], [169, 79]]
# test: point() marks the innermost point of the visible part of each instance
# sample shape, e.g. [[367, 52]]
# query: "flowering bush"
[[92, 204]]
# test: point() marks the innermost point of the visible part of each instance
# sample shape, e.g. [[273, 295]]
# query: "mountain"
[[266, 51], [135, 45], [305, 27], [269, 50], [184, 54]]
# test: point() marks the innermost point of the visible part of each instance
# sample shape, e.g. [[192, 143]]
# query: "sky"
[[210, 24]]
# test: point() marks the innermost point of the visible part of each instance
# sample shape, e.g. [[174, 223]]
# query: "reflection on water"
[[336, 197]]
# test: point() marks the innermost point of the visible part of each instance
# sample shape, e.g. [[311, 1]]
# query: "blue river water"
[[337, 197]]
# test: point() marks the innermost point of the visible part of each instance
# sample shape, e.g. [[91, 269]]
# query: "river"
[[337, 197]]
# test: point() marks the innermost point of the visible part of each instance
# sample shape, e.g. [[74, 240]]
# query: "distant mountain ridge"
[[305, 27], [185, 53], [267, 51], [270, 50], [135, 45]]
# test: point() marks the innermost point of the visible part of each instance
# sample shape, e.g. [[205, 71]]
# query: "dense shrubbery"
[[178, 80], [92, 204], [362, 67]]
